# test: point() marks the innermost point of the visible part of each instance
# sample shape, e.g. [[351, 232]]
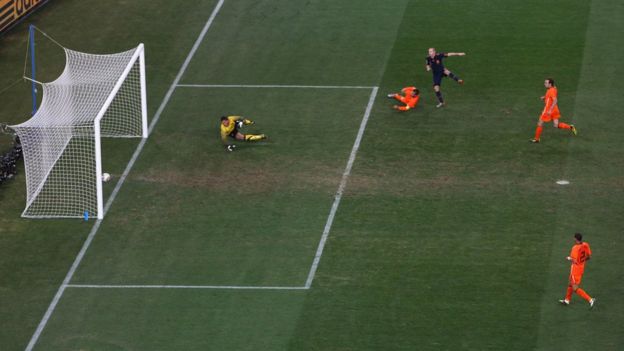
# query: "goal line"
[[68, 277]]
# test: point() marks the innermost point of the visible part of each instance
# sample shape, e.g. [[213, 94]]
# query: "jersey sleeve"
[[224, 135], [548, 101], [589, 253], [574, 252]]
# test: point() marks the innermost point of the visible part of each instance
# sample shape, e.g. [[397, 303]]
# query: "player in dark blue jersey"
[[434, 63]]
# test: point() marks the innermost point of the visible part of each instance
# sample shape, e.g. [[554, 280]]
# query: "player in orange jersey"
[[580, 254], [551, 111], [410, 98]]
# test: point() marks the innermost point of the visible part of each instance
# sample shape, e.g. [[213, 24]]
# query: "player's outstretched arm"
[[244, 120], [224, 137], [456, 54]]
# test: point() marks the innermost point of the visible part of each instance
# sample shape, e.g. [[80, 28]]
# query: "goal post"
[[137, 58], [96, 96]]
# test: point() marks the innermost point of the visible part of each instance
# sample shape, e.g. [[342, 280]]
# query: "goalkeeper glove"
[[243, 122]]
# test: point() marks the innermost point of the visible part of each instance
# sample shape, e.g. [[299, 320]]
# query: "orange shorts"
[[575, 279], [545, 118]]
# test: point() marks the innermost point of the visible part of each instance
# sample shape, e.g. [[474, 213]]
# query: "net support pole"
[[143, 91], [31, 34]]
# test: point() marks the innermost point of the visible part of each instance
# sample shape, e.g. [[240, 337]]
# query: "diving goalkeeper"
[[230, 128]]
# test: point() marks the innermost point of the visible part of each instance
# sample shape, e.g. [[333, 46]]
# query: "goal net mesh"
[[95, 96]]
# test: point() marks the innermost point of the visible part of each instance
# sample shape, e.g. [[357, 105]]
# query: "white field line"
[[319, 251], [61, 290], [275, 86], [231, 287], [341, 188], [96, 226]]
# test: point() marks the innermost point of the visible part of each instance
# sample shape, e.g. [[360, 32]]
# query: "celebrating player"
[[410, 98], [551, 111], [229, 128], [434, 63], [580, 254]]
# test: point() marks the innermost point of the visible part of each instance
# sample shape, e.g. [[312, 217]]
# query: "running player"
[[434, 63], [410, 98], [580, 254], [551, 111], [229, 128]]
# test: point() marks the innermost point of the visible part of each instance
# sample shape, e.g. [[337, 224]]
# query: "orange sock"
[[538, 132], [564, 125], [569, 293], [580, 292]]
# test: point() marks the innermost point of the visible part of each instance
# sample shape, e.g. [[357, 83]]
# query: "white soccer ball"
[[106, 177]]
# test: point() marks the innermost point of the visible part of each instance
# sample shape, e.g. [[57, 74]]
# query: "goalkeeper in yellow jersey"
[[230, 126]]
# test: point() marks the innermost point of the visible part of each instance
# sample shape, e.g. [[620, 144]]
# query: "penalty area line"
[[96, 226], [223, 287], [321, 246], [341, 188]]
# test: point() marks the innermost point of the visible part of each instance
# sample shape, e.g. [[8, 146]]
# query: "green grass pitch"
[[451, 233]]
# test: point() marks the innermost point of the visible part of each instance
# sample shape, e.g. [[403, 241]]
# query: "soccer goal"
[[96, 96]]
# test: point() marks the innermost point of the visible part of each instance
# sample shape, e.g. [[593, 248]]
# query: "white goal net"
[[95, 96]]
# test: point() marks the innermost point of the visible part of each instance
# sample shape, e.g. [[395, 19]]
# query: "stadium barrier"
[[13, 11], [8, 161]]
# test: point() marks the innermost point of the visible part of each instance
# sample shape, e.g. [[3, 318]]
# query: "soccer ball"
[[239, 124], [106, 177]]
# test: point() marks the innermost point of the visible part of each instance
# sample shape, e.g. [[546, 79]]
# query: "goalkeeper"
[[230, 126]]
